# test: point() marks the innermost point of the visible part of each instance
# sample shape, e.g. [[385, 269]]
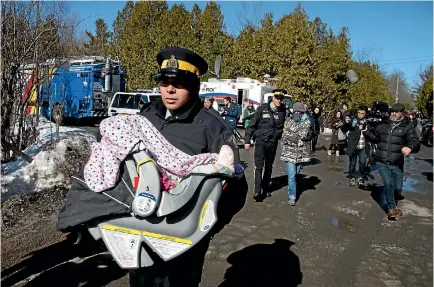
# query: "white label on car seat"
[[144, 204], [124, 244], [207, 216], [167, 247]]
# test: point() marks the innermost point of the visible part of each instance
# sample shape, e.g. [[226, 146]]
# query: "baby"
[[123, 134]]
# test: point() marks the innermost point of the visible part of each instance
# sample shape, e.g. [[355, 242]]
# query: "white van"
[[130, 103]]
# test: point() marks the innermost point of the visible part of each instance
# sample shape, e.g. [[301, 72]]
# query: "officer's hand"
[[247, 146], [406, 151]]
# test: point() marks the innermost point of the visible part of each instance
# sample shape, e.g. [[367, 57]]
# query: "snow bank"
[[52, 161]]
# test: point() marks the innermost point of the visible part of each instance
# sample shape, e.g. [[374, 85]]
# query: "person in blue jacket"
[[230, 112]]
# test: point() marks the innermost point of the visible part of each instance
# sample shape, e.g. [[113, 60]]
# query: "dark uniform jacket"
[[193, 130], [266, 124], [391, 138]]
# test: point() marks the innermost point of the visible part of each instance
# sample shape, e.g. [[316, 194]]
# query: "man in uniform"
[[181, 118], [266, 126]]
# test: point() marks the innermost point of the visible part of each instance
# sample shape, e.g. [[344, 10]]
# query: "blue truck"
[[81, 88]]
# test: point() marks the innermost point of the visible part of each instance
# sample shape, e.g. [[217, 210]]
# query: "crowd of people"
[[195, 133], [372, 139], [376, 140]]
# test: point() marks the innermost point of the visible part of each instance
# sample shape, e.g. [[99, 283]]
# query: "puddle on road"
[[344, 224], [409, 184], [340, 169], [427, 160]]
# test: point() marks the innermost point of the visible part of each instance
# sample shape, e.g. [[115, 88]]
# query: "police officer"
[[266, 126], [179, 113], [181, 118]]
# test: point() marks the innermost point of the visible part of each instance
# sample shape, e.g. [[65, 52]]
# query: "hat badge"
[[172, 62]]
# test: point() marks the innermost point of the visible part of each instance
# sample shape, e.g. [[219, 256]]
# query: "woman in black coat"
[[335, 144], [319, 127]]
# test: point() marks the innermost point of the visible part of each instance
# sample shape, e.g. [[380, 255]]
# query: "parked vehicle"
[[130, 103], [80, 87]]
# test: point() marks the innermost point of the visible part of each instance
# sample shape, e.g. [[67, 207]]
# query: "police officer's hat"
[[279, 93], [179, 62]]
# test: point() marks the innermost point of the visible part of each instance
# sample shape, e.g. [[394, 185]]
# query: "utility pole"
[[37, 72], [396, 92]]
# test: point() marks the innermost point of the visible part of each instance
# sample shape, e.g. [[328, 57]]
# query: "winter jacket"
[[318, 121], [247, 116], [193, 130], [354, 134], [390, 138], [231, 115], [295, 140], [266, 124], [336, 124]]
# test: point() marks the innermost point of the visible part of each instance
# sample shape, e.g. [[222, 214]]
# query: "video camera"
[[379, 113]]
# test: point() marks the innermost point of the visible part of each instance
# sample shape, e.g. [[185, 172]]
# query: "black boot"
[[257, 197], [398, 195]]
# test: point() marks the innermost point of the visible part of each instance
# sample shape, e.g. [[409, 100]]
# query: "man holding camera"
[[395, 138], [356, 146]]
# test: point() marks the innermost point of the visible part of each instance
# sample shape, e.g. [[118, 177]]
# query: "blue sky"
[[399, 35]]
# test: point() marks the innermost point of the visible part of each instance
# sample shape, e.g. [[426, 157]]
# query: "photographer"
[[379, 113], [356, 146], [395, 138]]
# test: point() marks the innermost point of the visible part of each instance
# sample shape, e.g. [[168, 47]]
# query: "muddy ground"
[[336, 235]]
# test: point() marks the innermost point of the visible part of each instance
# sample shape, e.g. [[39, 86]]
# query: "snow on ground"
[[45, 172]]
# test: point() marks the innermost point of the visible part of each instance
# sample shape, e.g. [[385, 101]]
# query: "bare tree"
[[251, 14], [424, 75], [31, 33], [399, 88], [367, 54]]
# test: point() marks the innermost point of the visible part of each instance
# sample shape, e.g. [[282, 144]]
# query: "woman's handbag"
[[341, 135]]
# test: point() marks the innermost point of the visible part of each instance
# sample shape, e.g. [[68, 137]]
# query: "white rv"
[[244, 91]]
